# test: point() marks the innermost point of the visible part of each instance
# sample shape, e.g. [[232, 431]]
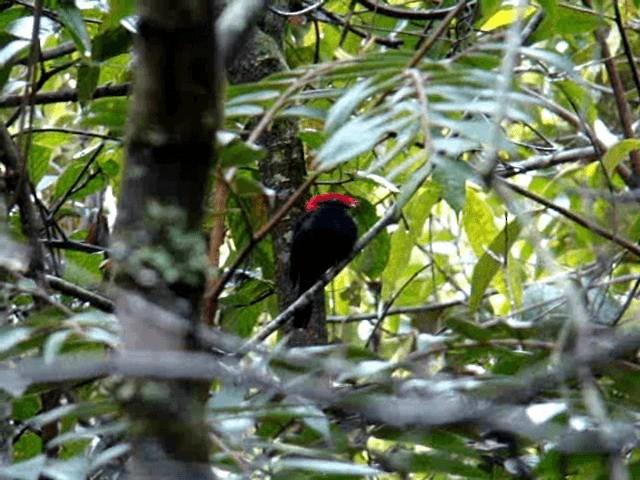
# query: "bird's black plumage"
[[322, 238]]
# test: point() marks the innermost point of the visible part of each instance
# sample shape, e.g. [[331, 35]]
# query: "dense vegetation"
[[488, 324]]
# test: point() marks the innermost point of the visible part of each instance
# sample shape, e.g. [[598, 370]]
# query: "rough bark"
[[170, 155]]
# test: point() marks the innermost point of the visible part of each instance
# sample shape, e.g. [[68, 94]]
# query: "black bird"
[[322, 238]]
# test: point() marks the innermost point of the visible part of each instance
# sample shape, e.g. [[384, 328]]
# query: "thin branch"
[[538, 162], [10, 157], [563, 113], [302, 11], [66, 95], [216, 239], [623, 242], [326, 16], [103, 303], [403, 13], [628, 49], [60, 51], [73, 131], [431, 307], [448, 18], [383, 314], [67, 244], [72, 189]]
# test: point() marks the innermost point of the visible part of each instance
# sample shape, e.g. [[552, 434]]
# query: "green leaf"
[[109, 166], [29, 445], [402, 243], [110, 43], [468, 329], [25, 407], [71, 17], [489, 265], [82, 268], [247, 185], [11, 47], [239, 154], [618, 153], [452, 175], [261, 95], [69, 179], [304, 111], [312, 138], [373, 260], [27, 470], [39, 158], [119, 9], [478, 221], [110, 113], [566, 22], [243, 111], [420, 206], [87, 81], [53, 344], [408, 461], [341, 111], [356, 137]]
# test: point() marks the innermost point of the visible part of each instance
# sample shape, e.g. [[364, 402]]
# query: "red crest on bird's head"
[[325, 197]]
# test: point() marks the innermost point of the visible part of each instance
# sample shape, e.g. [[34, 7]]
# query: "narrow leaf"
[[344, 107], [488, 265]]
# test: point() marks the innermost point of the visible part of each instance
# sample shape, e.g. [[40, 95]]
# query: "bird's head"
[[330, 199]]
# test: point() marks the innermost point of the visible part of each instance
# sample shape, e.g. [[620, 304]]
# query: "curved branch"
[[325, 16]]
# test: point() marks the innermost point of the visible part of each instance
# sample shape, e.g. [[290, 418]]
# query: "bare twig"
[[442, 27], [59, 51], [74, 131], [73, 290], [326, 16], [216, 239], [630, 246], [66, 95], [403, 13], [628, 49]]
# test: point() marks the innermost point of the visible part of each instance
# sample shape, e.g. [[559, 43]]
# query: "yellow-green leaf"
[[618, 152], [488, 265]]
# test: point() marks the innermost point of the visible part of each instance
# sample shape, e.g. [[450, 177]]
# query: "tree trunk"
[[170, 156], [283, 168]]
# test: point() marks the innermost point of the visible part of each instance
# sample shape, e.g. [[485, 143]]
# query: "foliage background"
[[488, 330]]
